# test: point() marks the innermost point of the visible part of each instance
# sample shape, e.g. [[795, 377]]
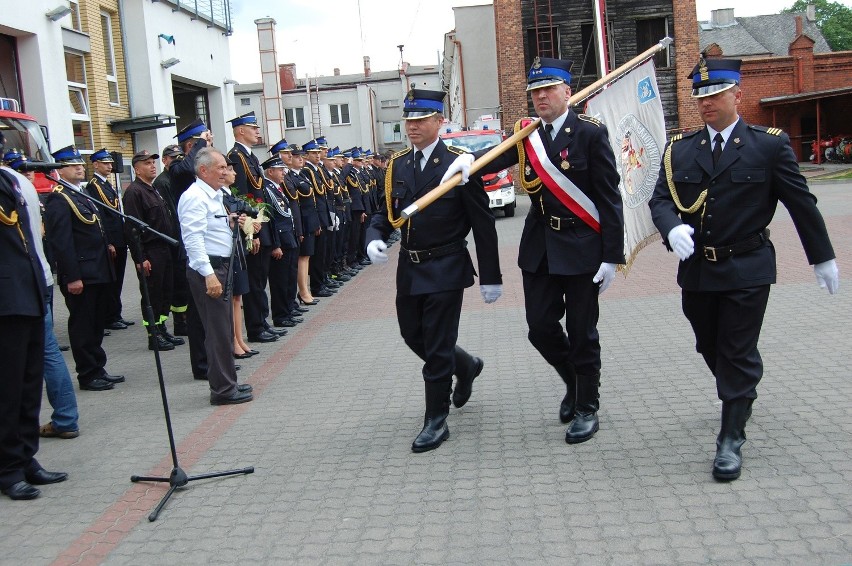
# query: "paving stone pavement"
[[339, 400]]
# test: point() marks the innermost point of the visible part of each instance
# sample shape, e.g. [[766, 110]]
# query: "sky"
[[319, 35]]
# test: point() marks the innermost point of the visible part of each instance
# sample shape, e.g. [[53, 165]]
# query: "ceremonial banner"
[[633, 114]]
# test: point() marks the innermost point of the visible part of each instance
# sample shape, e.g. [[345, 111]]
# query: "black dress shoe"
[[252, 352], [284, 322], [126, 322], [157, 342], [244, 388], [21, 491], [323, 293], [243, 356], [301, 309], [276, 331], [97, 384], [116, 325], [343, 277], [113, 378], [235, 398], [43, 477], [263, 337]]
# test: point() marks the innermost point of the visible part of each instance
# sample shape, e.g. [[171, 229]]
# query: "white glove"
[[827, 275], [680, 240], [460, 165], [335, 221], [376, 251], [604, 276], [490, 293]]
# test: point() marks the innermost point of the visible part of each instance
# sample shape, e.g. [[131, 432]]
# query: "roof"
[[769, 35], [350, 80], [804, 96]]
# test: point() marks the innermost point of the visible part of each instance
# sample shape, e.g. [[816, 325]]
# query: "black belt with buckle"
[[751, 243], [416, 256], [556, 223], [219, 261]]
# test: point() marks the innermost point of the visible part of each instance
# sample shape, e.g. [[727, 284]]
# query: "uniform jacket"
[[144, 202], [289, 188], [22, 285], [307, 202], [350, 176], [314, 176], [757, 169], [575, 248], [182, 171], [449, 219], [281, 225], [112, 223], [247, 168], [78, 245]]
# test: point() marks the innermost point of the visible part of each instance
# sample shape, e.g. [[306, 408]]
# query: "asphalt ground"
[[339, 400]]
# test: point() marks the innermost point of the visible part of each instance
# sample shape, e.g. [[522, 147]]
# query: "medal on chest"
[[564, 165]]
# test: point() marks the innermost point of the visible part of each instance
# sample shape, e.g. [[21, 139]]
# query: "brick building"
[[564, 29]]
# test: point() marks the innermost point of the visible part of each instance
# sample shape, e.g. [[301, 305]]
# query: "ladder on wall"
[[313, 98], [546, 44]]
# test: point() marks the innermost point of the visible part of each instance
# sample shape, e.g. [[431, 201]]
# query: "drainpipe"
[[121, 23], [461, 78]]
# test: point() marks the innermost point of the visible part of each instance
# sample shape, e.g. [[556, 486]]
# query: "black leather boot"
[[728, 462], [157, 342], [468, 368], [569, 402], [435, 429], [164, 332], [584, 425]]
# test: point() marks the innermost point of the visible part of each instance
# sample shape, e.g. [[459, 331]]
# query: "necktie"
[[717, 149], [548, 129], [418, 155]]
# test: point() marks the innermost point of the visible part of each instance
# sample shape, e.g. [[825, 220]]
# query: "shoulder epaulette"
[[683, 136], [58, 188], [764, 129], [587, 118], [456, 150], [400, 153]]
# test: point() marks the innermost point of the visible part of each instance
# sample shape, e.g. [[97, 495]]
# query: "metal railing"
[[213, 12]]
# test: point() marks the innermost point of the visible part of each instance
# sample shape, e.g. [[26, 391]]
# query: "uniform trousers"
[[86, 320], [727, 327], [318, 261], [159, 282], [255, 306], [120, 264], [429, 325], [357, 235], [180, 289], [282, 283], [548, 298], [22, 352], [217, 319]]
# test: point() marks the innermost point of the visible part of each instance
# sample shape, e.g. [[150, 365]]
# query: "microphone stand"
[[177, 478]]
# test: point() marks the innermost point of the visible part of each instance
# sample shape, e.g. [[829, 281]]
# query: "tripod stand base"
[[178, 479]]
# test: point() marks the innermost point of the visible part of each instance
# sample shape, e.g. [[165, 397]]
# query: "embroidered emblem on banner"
[[645, 91], [638, 163]]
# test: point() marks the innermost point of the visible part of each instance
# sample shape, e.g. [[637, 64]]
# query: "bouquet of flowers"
[[256, 212]]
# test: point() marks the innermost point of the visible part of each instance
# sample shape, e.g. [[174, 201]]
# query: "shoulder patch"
[[770, 131], [456, 150], [587, 118], [400, 153], [683, 136]]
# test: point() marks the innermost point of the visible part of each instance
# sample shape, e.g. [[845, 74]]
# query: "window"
[[590, 54], [339, 114], [648, 33], [76, 24], [294, 117], [109, 58], [545, 43], [78, 98], [392, 132], [245, 101], [390, 103]]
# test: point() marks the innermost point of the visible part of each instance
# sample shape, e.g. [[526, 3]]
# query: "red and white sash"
[[562, 188]]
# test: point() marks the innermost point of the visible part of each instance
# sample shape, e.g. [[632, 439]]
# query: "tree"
[[833, 19]]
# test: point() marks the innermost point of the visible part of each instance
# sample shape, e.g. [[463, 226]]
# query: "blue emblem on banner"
[[645, 90]]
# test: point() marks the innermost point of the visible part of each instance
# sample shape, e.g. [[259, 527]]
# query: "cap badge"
[[536, 62], [702, 69]]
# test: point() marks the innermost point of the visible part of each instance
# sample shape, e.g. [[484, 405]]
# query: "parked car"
[[499, 186]]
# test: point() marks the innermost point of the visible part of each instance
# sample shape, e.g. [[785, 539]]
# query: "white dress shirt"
[[427, 152], [557, 124], [203, 234], [726, 133]]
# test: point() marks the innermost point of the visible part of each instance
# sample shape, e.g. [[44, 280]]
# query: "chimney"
[[337, 71], [722, 17], [810, 13], [366, 66], [798, 26], [287, 76]]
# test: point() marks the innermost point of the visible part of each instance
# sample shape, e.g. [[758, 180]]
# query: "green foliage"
[[833, 18]]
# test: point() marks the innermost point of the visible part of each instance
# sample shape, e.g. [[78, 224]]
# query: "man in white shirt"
[[208, 237]]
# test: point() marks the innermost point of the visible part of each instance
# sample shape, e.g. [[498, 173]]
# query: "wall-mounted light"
[[170, 62], [58, 13]]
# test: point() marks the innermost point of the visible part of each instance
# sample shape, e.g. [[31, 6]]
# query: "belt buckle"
[[556, 223], [414, 255], [710, 254]]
